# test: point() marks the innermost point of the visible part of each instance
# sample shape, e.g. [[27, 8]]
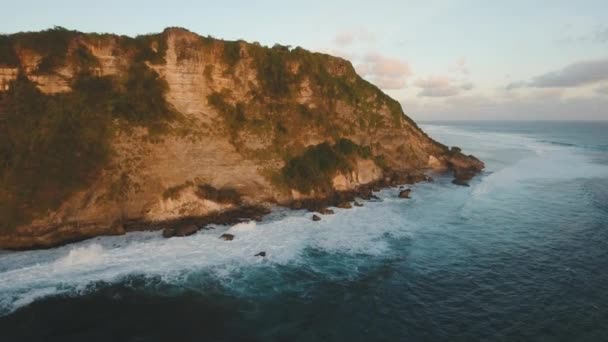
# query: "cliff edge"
[[101, 134]]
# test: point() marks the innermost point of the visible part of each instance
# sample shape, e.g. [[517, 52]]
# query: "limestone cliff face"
[[243, 115]]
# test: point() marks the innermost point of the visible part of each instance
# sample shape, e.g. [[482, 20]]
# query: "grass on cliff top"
[[315, 168], [54, 145], [53, 45]]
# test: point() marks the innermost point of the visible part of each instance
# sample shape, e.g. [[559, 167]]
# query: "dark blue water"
[[521, 255]]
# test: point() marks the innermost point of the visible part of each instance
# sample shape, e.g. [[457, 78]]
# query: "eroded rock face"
[[154, 179]]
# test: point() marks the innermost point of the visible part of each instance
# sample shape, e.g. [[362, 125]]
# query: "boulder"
[[186, 230], [326, 211], [168, 232], [405, 193], [463, 176], [344, 205], [261, 254], [357, 204], [460, 182], [227, 237], [316, 218]]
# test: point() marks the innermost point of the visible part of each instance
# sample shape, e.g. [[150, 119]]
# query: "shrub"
[[8, 57], [232, 53], [51, 44], [222, 195], [315, 168]]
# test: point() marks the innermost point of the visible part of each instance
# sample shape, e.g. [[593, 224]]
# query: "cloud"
[[344, 38], [598, 36], [602, 90], [347, 38], [533, 106], [441, 86], [460, 66], [601, 35], [385, 72], [573, 75]]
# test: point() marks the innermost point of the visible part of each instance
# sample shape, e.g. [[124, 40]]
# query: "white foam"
[[89, 255], [71, 268], [242, 227]]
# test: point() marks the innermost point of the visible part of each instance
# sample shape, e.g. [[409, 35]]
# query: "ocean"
[[520, 255]]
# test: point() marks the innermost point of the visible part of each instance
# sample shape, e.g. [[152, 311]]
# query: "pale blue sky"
[[441, 59]]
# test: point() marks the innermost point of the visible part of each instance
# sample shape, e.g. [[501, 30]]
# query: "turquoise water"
[[521, 255]]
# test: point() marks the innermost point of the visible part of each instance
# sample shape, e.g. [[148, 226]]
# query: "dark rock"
[[344, 205], [227, 237], [357, 204], [375, 198], [186, 230], [455, 149], [326, 211], [168, 232], [463, 176], [405, 193], [261, 254], [460, 182], [316, 218]]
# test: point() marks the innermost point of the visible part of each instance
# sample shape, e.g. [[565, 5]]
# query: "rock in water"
[[186, 230], [316, 218], [344, 205], [261, 254], [460, 182], [227, 237], [168, 232], [357, 204], [405, 193], [463, 176], [326, 211]]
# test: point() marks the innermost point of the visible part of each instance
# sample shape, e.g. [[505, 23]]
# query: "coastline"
[[75, 232]]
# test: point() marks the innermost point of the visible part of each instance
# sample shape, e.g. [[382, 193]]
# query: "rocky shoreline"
[[186, 226]]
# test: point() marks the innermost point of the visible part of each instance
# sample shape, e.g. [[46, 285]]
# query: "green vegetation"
[[232, 53], [84, 59], [234, 115], [54, 145], [315, 168], [8, 57], [208, 72], [51, 44], [173, 192], [149, 47], [223, 195]]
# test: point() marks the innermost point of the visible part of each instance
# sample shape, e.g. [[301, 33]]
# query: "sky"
[[443, 60]]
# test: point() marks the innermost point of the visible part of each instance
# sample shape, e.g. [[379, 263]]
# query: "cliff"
[[102, 134]]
